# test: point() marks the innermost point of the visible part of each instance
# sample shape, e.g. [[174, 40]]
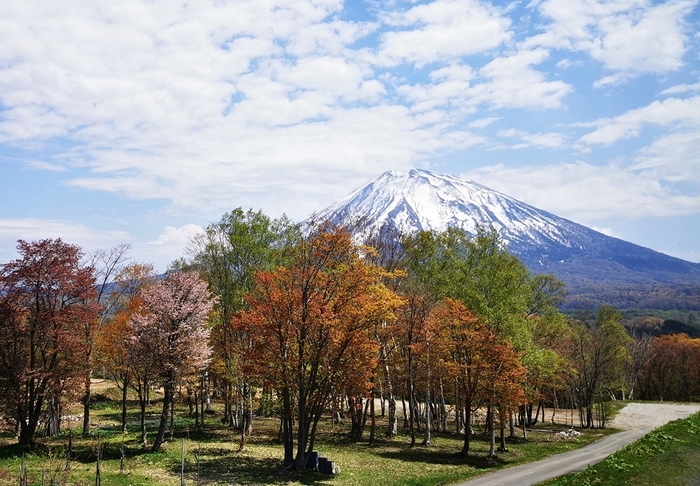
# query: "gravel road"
[[635, 421]]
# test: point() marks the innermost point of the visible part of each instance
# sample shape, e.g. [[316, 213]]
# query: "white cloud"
[[449, 85], [671, 111], [627, 36], [541, 140], [168, 246], [512, 82], [483, 122], [682, 88], [211, 104], [673, 158], [329, 38], [606, 231], [587, 193], [34, 229], [45, 166], [176, 236], [443, 29], [650, 41], [505, 82]]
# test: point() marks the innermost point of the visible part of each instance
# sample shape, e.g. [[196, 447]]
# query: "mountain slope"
[[583, 258]]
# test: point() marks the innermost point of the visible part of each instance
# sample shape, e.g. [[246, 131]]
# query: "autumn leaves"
[[268, 317], [311, 327]]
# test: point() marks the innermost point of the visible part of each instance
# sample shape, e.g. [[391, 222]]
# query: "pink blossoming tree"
[[172, 330]]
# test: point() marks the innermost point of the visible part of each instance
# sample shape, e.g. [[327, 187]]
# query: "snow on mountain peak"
[[422, 200]]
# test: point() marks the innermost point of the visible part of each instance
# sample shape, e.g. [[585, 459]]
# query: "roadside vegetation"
[[668, 455]]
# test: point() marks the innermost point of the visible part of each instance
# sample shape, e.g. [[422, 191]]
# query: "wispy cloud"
[[30, 229], [544, 140], [666, 112], [588, 193]]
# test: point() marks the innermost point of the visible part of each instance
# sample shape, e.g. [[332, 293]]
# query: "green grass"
[[390, 462], [670, 455]]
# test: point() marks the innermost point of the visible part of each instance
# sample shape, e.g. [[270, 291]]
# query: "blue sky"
[[141, 122]]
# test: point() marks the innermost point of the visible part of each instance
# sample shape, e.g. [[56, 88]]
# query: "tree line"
[[272, 318]]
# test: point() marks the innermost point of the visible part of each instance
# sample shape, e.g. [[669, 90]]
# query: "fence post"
[[123, 456], [182, 464], [98, 478], [22, 472]]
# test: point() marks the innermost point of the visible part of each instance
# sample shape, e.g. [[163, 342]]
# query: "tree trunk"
[[171, 424], [412, 422], [393, 419], [312, 435], [142, 418], [502, 422], [124, 391], [86, 403], [405, 414], [163, 422], [458, 410], [167, 400], [373, 423], [287, 430], [382, 403], [302, 434], [467, 427], [195, 412], [143, 402], [426, 432], [27, 430], [52, 425], [443, 409], [492, 432]]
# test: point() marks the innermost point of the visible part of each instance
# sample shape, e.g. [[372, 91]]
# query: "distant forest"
[[681, 300], [654, 310]]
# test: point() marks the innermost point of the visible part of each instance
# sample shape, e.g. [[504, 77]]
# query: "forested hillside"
[[303, 324]]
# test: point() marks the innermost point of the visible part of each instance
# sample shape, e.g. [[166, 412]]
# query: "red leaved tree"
[[311, 325], [172, 331], [46, 298]]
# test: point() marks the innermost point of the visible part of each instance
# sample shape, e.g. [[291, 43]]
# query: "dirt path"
[[635, 420]]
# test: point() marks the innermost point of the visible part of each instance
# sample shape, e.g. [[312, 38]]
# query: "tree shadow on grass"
[[12, 450], [237, 468], [440, 456]]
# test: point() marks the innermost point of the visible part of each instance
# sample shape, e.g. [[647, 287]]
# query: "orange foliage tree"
[[486, 367], [412, 332], [311, 324]]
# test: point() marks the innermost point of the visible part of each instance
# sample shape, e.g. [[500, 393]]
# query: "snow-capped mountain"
[[422, 200]]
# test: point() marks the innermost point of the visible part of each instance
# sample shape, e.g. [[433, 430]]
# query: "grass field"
[[212, 457]]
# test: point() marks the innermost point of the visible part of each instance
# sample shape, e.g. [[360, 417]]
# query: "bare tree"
[[105, 264]]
